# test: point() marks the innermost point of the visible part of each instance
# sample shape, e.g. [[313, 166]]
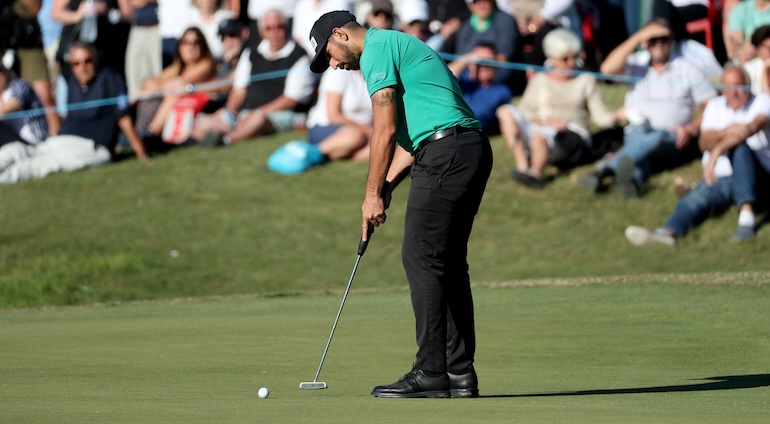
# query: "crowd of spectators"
[[166, 73]]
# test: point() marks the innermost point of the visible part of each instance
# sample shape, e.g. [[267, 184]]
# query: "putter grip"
[[362, 244]]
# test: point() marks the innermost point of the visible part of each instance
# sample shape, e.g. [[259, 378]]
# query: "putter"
[[315, 384]]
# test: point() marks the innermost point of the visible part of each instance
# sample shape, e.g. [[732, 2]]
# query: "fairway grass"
[[649, 349]]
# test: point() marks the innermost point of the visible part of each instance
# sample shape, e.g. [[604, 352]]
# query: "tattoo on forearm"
[[383, 98]]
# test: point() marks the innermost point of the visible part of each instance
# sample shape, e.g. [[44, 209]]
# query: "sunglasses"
[[86, 61], [275, 27], [190, 42], [383, 14]]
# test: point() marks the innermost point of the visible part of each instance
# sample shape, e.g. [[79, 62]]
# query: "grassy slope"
[[106, 234], [641, 352]]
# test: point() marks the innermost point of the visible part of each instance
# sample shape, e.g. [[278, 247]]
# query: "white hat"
[[413, 10]]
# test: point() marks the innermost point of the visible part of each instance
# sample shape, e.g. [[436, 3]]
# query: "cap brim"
[[320, 63]]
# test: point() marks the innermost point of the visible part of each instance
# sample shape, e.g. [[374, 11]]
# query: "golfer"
[[418, 105]]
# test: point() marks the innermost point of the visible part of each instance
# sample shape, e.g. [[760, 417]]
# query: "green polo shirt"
[[428, 97]]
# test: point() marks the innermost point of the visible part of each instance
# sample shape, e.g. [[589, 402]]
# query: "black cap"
[[230, 27], [319, 36]]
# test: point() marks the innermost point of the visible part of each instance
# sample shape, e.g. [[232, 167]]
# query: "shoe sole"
[[589, 183], [433, 395], [464, 393], [639, 236]]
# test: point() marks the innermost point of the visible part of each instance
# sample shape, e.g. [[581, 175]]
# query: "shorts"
[[319, 133], [34, 66]]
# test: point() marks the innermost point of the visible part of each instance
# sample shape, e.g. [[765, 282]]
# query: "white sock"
[[226, 139], [746, 219]]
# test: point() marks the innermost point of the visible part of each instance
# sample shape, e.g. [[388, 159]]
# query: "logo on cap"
[[313, 43]]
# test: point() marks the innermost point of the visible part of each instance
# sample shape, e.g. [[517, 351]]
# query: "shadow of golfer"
[[711, 383]]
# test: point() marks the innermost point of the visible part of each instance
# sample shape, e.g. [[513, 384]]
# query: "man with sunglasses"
[[88, 135], [659, 107]]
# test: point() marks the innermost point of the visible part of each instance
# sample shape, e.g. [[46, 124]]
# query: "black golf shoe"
[[415, 384], [463, 385]]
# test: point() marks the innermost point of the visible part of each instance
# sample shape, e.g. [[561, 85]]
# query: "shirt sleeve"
[[242, 73], [300, 81]]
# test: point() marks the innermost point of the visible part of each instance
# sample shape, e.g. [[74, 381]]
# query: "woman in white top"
[[551, 122], [339, 125]]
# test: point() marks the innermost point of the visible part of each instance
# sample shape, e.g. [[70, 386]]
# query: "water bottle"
[[88, 27]]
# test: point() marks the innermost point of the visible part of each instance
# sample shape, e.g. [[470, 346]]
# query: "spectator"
[[758, 67], [551, 124], [193, 64], [339, 125], [88, 136], [744, 18], [659, 106], [305, 14], [234, 36], [25, 40], [207, 15], [487, 24], [17, 95], [751, 173], [111, 36], [734, 125], [144, 56], [261, 107], [476, 74]]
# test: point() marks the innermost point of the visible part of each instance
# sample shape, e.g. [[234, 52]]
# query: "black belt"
[[449, 132]]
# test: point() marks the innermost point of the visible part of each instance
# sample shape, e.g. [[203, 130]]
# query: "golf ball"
[[263, 392]]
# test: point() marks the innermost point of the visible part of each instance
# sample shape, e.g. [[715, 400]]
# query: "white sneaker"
[[638, 236]]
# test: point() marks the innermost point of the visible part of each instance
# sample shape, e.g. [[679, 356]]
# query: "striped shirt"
[[33, 127]]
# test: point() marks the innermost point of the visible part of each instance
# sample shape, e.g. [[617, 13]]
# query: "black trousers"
[[448, 181]]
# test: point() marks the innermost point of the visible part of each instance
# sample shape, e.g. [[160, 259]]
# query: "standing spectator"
[[551, 122], [489, 25], [535, 19], [734, 125], [173, 19], [306, 12], [262, 107], [16, 95], [207, 15], [87, 136], [660, 106], [144, 56], [476, 78]]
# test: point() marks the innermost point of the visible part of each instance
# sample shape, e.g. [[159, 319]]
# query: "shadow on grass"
[[713, 383]]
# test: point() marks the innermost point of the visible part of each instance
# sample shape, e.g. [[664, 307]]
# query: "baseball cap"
[[413, 10], [320, 33], [230, 27]]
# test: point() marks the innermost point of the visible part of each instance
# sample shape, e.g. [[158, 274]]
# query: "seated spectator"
[[551, 123], [17, 95], [659, 106], [487, 24], [734, 125], [339, 125], [193, 64], [206, 15], [234, 36], [476, 81], [88, 136], [759, 67], [260, 107], [744, 19]]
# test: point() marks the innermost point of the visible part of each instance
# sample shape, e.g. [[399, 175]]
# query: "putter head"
[[312, 385]]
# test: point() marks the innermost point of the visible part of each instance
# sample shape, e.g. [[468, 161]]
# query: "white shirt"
[[306, 12], [300, 80], [718, 116], [210, 29], [755, 68], [173, 17], [667, 98], [356, 104]]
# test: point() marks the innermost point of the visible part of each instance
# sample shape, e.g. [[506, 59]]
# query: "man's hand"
[[683, 137], [373, 212], [709, 173]]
